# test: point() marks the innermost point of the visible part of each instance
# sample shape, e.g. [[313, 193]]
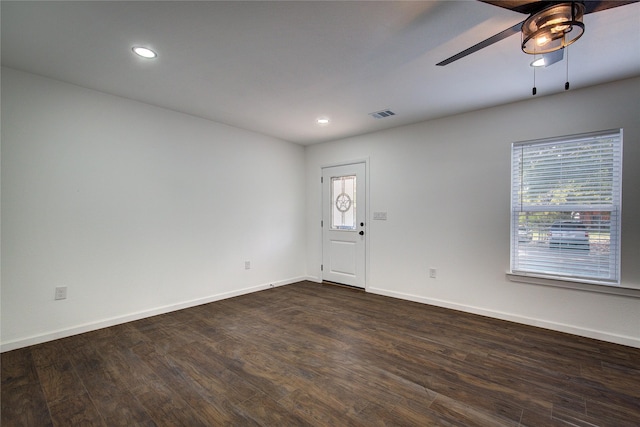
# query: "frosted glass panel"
[[343, 197]]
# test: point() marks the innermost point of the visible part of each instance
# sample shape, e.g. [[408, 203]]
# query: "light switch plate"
[[380, 216]]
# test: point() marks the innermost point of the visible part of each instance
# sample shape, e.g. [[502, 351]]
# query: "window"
[[343, 194], [566, 206]]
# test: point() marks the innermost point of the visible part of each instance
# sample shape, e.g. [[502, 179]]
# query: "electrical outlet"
[[432, 273], [247, 265], [61, 292]]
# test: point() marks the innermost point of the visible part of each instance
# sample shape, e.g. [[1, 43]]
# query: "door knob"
[[361, 233]]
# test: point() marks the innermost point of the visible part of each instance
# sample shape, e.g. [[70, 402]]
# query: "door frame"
[[367, 191]]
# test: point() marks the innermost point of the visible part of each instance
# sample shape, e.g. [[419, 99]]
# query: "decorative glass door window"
[[343, 197]]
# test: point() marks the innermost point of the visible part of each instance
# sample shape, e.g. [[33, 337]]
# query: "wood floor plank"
[[410, 364], [127, 370], [204, 390], [24, 405], [167, 408], [611, 414], [265, 411], [117, 405], [381, 415], [318, 408], [457, 411], [575, 418], [49, 353], [60, 382], [490, 401], [77, 410], [18, 368], [271, 376], [214, 380], [316, 354], [209, 392], [612, 375], [538, 419]]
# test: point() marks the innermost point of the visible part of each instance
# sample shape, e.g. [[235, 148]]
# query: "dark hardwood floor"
[[311, 354]]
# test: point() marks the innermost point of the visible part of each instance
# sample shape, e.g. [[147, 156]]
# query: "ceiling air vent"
[[382, 114]]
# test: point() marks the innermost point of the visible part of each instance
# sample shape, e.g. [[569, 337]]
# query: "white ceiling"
[[275, 67]]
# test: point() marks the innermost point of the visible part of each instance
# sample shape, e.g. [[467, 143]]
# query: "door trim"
[[367, 190]]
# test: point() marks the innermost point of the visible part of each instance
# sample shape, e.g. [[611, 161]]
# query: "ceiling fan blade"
[[488, 42], [532, 6], [591, 6], [522, 6]]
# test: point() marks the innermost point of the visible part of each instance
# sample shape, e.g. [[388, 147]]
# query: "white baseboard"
[[554, 326], [105, 323]]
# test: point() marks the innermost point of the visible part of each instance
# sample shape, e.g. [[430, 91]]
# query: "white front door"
[[344, 224]]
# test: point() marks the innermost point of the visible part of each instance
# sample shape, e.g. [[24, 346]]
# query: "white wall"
[[140, 210], [136, 209], [445, 186]]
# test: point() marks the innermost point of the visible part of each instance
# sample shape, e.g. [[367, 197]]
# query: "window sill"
[[582, 286]]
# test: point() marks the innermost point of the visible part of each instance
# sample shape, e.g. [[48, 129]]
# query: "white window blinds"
[[565, 207]]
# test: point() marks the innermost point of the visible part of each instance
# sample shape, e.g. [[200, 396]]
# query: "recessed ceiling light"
[[144, 52], [322, 121]]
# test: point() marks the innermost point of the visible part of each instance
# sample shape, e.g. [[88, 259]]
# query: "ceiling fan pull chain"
[[534, 90], [566, 84]]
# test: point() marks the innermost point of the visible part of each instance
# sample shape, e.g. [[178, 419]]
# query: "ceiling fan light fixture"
[[553, 28], [538, 62], [548, 59]]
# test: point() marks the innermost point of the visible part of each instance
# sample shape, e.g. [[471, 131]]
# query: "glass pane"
[[343, 199], [565, 198], [573, 244]]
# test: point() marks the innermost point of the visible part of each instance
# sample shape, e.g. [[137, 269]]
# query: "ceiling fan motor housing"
[[553, 28]]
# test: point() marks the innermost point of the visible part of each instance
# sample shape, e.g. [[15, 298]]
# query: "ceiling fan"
[[551, 25]]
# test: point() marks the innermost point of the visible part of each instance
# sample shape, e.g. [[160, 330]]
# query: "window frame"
[[518, 207]]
